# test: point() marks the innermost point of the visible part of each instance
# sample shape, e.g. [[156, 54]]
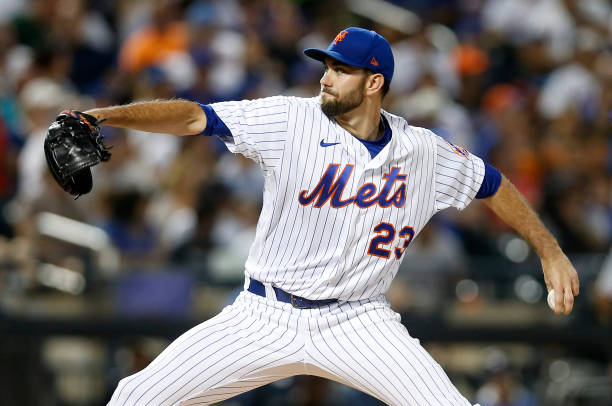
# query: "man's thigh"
[[243, 347], [372, 351]]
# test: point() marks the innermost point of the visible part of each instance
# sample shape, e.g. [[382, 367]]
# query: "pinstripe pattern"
[[322, 252], [245, 346], [320, 241], [258, 340]]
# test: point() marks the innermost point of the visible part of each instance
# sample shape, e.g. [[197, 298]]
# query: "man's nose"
[[325, 80]]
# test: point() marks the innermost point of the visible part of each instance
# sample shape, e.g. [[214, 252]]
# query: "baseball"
[[551, 299]]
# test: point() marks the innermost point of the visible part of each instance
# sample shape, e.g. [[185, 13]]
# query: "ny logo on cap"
[[340, 37], [374, 62]]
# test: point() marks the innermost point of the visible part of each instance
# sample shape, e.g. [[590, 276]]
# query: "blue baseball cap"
[[359, 47]]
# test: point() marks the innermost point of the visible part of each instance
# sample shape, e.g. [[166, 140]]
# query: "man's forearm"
[[559, 273], [179, 117], [510, 205]]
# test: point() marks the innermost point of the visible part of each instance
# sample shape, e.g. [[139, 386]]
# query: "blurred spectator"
[[129, 230], [195, 250], [32, 23], [164, 35], [572, 216], [574, 85], [173, 211], [532, 22], [428, 55], [42, 98], [503, 386]]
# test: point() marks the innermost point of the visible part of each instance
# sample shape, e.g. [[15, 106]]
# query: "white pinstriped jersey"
[[335, 222]]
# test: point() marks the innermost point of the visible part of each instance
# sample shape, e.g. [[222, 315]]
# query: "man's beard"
[[336, 107]]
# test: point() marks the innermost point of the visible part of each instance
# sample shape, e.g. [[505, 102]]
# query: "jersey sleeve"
[[458, 175], [257, 128]]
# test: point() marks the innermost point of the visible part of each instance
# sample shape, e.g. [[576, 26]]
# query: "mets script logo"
[[330, 189], [340, 37]]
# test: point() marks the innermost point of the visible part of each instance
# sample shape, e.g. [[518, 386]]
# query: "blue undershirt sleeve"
[[214, 125], [490, 182]]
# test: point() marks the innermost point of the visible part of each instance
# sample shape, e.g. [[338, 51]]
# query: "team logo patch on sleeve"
[[459, 150]]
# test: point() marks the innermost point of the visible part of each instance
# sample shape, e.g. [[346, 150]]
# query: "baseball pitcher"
[[348, 186]]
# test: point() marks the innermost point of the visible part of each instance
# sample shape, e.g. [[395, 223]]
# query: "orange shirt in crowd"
[[150, 45]]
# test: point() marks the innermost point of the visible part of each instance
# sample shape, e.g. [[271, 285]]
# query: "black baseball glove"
[[74, 144]]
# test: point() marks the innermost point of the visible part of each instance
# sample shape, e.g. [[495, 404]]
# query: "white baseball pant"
[[257, 340]]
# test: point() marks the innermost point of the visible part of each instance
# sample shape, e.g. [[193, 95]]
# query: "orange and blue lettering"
[[327, 188], [408, 234], [364, 193], [330, 189], [399, 197], [386, 235]]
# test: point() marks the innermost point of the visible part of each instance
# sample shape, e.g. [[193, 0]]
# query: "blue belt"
[[258, 288]]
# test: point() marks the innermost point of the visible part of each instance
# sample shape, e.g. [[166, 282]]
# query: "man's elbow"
[[195, 122]]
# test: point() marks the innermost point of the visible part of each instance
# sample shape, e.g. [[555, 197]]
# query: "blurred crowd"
[[525, 84]]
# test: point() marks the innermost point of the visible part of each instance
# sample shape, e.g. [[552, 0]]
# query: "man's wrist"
[[99, 114], [550, 250]]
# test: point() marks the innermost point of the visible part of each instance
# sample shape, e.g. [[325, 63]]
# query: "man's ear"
[[374, 83]]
